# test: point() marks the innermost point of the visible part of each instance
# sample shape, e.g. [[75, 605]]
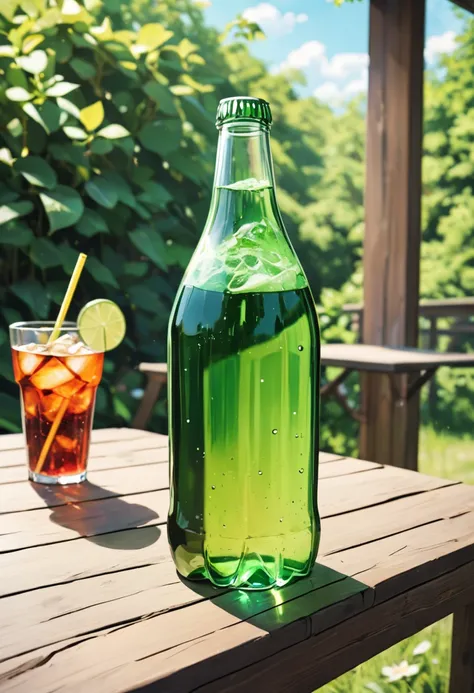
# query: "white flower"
[[422, 647], [400, 671]]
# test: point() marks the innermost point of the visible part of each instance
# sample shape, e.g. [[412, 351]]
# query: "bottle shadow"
[[88, 510], [323, 590]]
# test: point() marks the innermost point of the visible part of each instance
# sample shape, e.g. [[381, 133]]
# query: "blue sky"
[[329, 44]]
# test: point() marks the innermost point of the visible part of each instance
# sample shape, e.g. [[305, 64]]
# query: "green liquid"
[[243, 398]]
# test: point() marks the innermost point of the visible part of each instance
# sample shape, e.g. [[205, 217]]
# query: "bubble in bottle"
[[275, 431], [301, 470], [300, 348], [260, 472]]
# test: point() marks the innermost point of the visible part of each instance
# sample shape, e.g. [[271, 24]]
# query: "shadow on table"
[[100, 522], [339, 595]]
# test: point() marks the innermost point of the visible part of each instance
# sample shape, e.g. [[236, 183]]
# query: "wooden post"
[[462, 651], [392, 232]]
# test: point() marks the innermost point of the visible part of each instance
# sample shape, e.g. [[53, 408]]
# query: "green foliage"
[[93, 118]]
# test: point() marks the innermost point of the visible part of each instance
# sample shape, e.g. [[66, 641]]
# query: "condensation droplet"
[[213, 488], [197, 448], [223, 526], [300, 348], [262, 380], [275, 431], [188, 420], [301, 470], [260, 472], [281, 519], [185, 369], [294, 413], [296, 436]]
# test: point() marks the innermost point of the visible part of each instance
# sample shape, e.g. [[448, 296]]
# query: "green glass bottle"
[[244, 361]]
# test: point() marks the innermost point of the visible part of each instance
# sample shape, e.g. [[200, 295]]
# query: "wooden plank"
[[432, 307], [23, 496], [462, 651], [20, 530], [320, 658], [25, 530], [337, 494], [151, 455], [72, 561], [392, 220], [233, 634], [392, 565], [372, 358], [104, 442]]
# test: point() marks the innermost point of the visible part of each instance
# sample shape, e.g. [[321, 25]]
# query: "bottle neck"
[[243, 153], [244, 186]]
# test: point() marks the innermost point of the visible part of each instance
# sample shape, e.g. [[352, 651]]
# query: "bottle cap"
[[243, 108]]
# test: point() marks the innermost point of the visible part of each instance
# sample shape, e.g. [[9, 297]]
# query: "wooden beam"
[[462, 651], [392, 232], [465, 4]]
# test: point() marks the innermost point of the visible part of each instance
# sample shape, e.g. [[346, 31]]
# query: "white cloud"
[[309, 53], [343, 65], [272, 20], [336, 94], [330, 92], [435, 45]]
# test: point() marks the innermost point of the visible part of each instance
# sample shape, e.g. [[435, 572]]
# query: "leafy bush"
[[103, 149], [107, 146]]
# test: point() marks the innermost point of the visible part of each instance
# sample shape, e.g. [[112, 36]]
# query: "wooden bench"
[[363, 358], [90, 600]]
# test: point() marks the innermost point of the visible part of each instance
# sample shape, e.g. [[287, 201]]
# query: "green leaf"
[[151, 36], [122, 188], [34, 295], [15, 234], [91, 223], [61, 89], [15, 210], [100, 272], [101, 146], [48, 115], [113, 132], [150, 243], [45, 254], [18, 94], [64, 207], [162, 96], [62, 49], [35, 63], [37, 171], [31, 42], [102, 191], [144, 298], [84, 69], [68, 107], [74, 133], [14, 127], [7, 51], [182, 90], [135, 269], [155, 195], [92, 116], [161, 136]]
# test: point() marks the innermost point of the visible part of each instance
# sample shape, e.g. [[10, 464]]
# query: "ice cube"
[[29, 362], [82, 401], [30, 400], [66, 443], [83, 366], [52, 374], [70, 388], [50, 405]]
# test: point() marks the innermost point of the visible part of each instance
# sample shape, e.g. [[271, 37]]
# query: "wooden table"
[[90, 600]]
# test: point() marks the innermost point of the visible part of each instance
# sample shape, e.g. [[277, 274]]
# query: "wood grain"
[[462, 651], [86, 576]]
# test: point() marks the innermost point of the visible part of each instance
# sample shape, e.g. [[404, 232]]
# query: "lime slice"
[[101, 324]]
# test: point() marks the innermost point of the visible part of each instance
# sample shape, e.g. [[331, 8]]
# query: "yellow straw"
[[54, 335], [68, 297]]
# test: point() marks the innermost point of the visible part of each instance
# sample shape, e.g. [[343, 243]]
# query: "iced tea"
[[58, 383]]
